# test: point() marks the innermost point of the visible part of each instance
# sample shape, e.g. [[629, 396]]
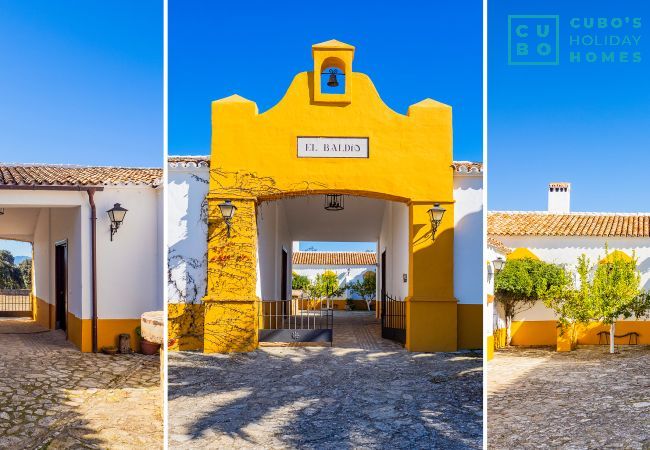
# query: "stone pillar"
[[231, 306], [431, 309]]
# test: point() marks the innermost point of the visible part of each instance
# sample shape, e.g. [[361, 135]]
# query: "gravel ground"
[[585, 399]]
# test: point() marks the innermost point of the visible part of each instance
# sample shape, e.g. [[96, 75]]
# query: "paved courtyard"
[[362, 393], [586, 399], [53, 396]]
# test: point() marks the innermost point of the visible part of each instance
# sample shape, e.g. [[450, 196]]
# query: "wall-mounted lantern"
[[498, 264], [116, 214], [435, 215], [227, 212], [334, 202]]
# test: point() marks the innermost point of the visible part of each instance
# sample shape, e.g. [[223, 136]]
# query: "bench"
[[633, 336]]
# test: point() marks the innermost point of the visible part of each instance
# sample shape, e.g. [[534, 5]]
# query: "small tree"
[[299, 282], [325, 286], [615, 291], [366, 288], [25, 269], [522, 282]]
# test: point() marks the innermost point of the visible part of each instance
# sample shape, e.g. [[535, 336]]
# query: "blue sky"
[[82, 82], [585, 123], [16, 248], [423, 49]]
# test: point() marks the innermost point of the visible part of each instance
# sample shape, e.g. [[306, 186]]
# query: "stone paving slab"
[[585, 399], [325, 398], [53, 396]]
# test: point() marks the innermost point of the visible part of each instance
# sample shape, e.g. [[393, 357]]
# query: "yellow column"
[[230, 320], [431, 309]]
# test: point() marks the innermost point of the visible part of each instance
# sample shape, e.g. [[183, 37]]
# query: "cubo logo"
[[533, 40]]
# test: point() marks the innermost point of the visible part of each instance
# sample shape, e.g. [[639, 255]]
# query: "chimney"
[[559, 198]]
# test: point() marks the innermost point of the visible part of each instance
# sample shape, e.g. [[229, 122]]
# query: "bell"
[[332, 82]]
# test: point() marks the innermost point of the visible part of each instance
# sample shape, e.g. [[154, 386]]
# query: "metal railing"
[[393, 319], [15, 302], [295, 320]]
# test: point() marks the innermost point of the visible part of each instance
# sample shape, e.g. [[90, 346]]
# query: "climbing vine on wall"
[[230, 268]]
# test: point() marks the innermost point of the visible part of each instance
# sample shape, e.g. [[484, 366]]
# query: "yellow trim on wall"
[[521, 253], [534, 332], [42, 312], [185, 326], [470, 326], [108, 331], [489, 343]]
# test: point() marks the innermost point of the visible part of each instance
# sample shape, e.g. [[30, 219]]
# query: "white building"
[[281, 222], [560, 236], [349, 267], [90, 282]]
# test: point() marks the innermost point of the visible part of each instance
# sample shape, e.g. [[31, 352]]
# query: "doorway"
[[61, 285], [284, 281]]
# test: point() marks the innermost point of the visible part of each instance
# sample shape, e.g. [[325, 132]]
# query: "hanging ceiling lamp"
[[334, 202]]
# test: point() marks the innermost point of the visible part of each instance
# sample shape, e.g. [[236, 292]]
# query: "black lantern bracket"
[[435, 216], [116, 214], [227, 212]]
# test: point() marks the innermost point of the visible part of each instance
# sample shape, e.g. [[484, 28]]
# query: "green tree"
[[325, 286], [606, 292], [522, 282], [614, 291], [25, 269], [366, 288], [10, 277], [299, 282]]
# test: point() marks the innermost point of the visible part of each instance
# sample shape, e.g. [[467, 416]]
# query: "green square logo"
[[533, 40]]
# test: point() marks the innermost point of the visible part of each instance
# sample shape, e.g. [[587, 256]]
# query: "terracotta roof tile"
[[498, 245], [68, 175], [467, 167], [510, 223], [460, 167], [335, 258], [188, 161]]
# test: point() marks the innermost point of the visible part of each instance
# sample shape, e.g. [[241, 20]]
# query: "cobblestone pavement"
[[585, 399], [327, 398], [360, 329], [53, 396]]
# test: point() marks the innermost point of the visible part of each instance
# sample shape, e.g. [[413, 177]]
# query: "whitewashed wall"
[[129, 270], [345, 274], [187, 233], [394, 239], [468, 239], [491, 319], [273, 236]]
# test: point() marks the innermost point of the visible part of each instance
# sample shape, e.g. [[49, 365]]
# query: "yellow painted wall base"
[[566, 339], [230, 326], [431, 325], [185, 326], [470, 326], [43, 313], [489, 343], [532, 333], [588, 335], [108, 331]]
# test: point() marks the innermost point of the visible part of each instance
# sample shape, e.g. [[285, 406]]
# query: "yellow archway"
[[312, 142]]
